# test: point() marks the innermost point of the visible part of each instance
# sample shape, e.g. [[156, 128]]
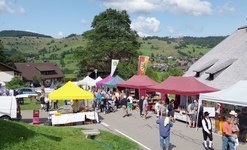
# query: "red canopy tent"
[[140, 82], [137, 82], [182, 86]]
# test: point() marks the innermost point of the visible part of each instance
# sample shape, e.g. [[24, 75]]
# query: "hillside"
[[16, 33], [61, 50], [16, 135]]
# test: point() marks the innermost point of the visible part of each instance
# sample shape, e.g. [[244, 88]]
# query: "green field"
[[32, 104], [21, 136], [53, 49]]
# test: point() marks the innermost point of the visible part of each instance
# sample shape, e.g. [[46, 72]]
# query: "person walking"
[[130, 100], [145, 107], [207, 131], [124, 103], [158, 108], [140, 103], [55, 104], [42, 99], [47, 102], [165, 125], [171, 110]]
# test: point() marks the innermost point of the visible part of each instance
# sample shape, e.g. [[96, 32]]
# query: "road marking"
[[132, 139], [104, 124]]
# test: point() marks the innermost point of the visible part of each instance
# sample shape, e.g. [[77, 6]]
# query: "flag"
[[114, 64], [142, 65]]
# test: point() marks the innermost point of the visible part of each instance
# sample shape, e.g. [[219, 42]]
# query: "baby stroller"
[[111, 106]]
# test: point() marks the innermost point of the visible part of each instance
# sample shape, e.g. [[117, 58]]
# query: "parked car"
[[25, 92], [9, 108]]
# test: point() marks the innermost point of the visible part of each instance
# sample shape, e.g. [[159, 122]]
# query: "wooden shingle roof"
[[29, 70], [231, 66]]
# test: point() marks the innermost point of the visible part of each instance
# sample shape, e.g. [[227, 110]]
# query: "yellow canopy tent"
[[70, 91]]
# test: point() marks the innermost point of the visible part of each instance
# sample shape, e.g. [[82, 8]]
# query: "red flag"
[[142, 65]]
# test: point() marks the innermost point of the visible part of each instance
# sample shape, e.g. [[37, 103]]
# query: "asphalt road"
[[145, 132]]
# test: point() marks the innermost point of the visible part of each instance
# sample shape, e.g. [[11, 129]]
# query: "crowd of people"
[[234, 128]]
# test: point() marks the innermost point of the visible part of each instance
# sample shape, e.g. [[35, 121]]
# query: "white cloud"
[[59, 35], [170, 29], [29, 30], [10, 8], [21, 10], [141, 6], [226, 8], [189, 7], [5, 8], [145, 26], [83, 22]]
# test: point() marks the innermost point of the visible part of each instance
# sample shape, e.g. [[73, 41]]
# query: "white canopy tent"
[[98, 79], [87, 81], [234, 95]]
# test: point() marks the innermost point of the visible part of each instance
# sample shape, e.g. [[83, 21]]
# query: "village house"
[[7, 73], [44, 73]]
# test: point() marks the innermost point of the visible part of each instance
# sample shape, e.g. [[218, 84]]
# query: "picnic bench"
[[90, 133]]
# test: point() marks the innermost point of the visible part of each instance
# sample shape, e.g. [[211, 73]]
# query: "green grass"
[[33, 105], [21, 136]]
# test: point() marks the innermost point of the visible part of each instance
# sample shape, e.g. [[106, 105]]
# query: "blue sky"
[[174, 18]]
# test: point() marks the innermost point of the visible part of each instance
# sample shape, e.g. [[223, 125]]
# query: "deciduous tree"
[[110, 38]]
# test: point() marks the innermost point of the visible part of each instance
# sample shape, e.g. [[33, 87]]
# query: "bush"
[[15, 83]]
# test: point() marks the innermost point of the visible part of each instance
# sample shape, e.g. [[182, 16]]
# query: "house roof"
[[182, 86], [8, 68], [29, 70], [234, 47], [137, 82]]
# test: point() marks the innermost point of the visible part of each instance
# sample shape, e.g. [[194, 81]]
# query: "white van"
[[9, 108]]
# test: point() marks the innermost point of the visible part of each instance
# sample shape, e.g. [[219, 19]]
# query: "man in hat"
[[207, 131]]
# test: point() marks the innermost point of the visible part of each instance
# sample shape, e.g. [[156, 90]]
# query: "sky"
[[163, 18]]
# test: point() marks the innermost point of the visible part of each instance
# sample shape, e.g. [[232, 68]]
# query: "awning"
[[70, 91], [137, 82], [182, 86], [113, 82]]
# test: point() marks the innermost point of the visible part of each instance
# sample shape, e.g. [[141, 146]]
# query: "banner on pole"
[[142, 65], [114, 64]]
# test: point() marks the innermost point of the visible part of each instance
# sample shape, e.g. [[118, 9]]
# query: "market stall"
[[185, 90], [71, 91], [224, 101], [87, 81], [106, 79], [139, 82], [113, 82]]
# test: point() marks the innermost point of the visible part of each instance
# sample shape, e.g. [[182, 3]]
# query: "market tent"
[[106, 79], [87, 81], [182, 86], [137, 82], [70, 91], [113, 82], [234, 95], [98, 79]]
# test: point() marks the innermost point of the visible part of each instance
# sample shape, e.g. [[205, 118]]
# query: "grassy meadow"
[[22, 136], [53, 49]]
